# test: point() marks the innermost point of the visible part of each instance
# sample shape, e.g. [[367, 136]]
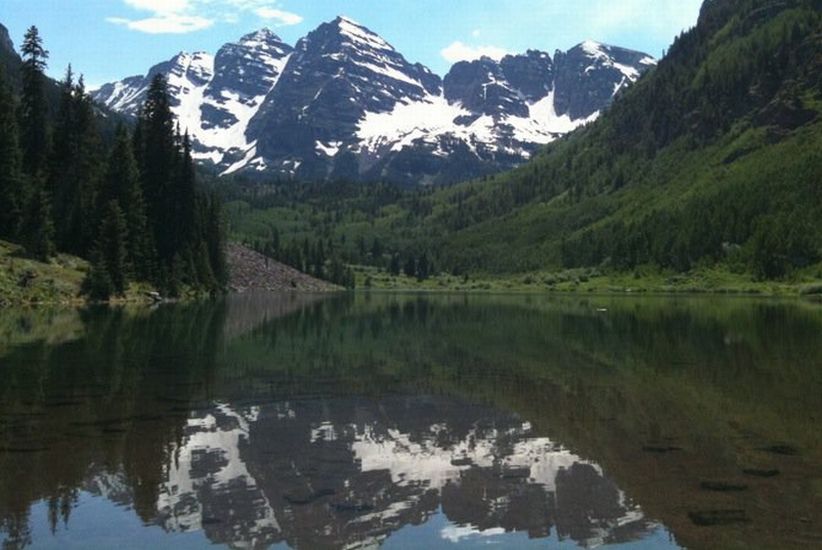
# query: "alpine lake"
[[397, 420]]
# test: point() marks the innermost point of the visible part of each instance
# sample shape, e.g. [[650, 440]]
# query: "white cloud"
[[165, 24], [160, 6], [280, 17], [459, 51], [184, 16], [475, 33]]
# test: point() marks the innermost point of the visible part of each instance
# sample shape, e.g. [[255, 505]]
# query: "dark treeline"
[[132, 208]]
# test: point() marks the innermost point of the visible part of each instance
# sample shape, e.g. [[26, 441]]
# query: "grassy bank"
[[642, 280], [27, 281], [24, 281]]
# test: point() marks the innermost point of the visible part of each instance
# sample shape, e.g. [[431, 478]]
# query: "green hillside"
[[712, 161], [715, 157]]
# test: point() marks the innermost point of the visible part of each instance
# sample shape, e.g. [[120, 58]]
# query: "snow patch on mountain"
[[434, 117], [188, 80], [219, 141]]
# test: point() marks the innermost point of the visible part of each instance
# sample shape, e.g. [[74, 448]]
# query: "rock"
[[660, 449], [26, 278], [352, 507], [301, 497], [211, 521], [760, 472], [786, 450], [251, 270], [517, 473], [785, 112], [710, 518], [722, 486]]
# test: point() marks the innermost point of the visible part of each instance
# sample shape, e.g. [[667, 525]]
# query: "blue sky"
[[110, 39]]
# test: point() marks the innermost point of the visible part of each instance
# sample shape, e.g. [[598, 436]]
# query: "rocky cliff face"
[[6, 45], [589, 75], [343, 103]]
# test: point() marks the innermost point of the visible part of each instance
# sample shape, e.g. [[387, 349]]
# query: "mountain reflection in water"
[[366, 420], [341, 472]]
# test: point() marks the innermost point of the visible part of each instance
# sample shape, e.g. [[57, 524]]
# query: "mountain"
[[10, 61], [6, 45], [344, 103], [708, 166], [713, 159], [214, 97]]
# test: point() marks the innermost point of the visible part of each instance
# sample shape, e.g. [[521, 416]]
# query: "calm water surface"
[[413, 421]]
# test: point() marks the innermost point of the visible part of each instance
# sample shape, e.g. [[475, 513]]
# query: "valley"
[[301, 290]]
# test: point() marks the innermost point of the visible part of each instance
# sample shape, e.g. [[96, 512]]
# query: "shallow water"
[[413, 421]]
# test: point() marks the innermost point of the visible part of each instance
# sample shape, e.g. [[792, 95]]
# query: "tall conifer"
[[11, 180], [33, 107]]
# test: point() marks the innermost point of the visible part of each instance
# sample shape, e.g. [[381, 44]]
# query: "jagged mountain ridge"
[[344, 103]]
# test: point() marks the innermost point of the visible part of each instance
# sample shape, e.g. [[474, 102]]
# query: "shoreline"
[[603, 293]]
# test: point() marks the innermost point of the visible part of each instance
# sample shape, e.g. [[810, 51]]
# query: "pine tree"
[[275, 242], [89, 165], [202, 267], [157, 154], [215, 237], [394, 266], [97, 284], [423, 267], [110, 248], [63, 133], [186, 194], [122, 184], [11, 178], [410, 267], [33, 107], [75, 168], [37, 233]]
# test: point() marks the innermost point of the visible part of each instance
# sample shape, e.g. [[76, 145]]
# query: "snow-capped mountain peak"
[[262, 38], [359, 35], [344, 103]]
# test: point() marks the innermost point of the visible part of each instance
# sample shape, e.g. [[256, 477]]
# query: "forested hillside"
[[715, 156], [131, 204], [712, 159]]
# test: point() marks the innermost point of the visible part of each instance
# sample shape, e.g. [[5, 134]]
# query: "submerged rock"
[[723, 486], [660, 449], [787, 450], [710, 518], [757, 472]]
